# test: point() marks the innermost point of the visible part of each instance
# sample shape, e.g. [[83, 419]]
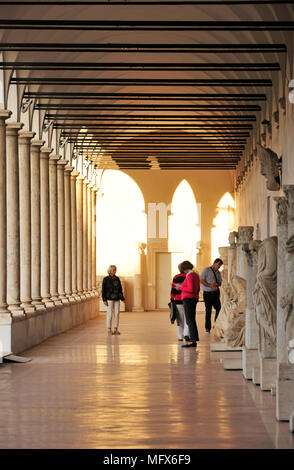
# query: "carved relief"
[[281, 208], [265, 295], [269, 161], [289, 191]]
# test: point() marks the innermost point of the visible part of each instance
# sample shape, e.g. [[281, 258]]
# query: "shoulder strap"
[[214, 274]]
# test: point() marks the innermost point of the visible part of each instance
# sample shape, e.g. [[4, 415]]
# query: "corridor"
[[140, 390]]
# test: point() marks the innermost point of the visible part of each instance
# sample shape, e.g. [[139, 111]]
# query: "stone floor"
[[140, 390]]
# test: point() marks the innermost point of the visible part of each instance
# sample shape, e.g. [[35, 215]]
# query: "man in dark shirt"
[[211, 280]]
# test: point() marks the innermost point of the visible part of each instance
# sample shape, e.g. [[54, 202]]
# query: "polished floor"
[[141, 390]]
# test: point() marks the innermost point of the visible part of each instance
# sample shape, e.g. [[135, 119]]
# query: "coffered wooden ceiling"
[[181, 82]]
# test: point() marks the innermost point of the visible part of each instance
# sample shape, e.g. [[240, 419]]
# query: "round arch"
[[223, 223], [184, 225], [121, 223]]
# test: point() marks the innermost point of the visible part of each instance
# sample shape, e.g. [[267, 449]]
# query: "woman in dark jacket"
[[112, 294]]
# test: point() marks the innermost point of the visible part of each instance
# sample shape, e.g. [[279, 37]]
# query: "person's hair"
[[180, 268], [218, 260], [110, 268], [186, 265]]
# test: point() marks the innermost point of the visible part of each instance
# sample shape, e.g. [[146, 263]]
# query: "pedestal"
[[250, 360], [284, 391], [268, 373]]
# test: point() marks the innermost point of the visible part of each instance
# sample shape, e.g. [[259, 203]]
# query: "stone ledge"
[[27, 332]]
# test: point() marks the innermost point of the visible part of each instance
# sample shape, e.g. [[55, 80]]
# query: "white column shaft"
[[36, 224], [13, 237], [3, 214], [24, 141]]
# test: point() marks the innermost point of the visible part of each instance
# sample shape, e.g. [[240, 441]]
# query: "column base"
[[138, 309], [48, 302], [28, 307], [38, 305], [268, 373], [250, 359], [284, 391]]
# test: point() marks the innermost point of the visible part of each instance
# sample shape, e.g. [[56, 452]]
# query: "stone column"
[[89, 226], [3, 217], [61, 230], [250, 355], [53, 228], [35, 225], [5, 315], [45, 226], [24, 149], [73, 194], [94, 280], [80, 258], [85, 237], [67, 233], [13, 235]]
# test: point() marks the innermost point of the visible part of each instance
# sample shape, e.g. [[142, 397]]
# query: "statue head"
[[269, 167]]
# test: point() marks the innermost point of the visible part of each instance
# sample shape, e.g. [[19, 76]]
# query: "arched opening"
[[184, 226], [121, 224], [223, 224]]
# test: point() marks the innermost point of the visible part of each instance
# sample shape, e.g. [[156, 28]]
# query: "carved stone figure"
[[230, 324], [269, 167], [287, 302], [265, 295], [232, 238]]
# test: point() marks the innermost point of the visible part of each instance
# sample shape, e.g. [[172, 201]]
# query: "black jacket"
[[112, 289]]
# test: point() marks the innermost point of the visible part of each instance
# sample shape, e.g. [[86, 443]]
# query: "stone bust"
[[268, 166]]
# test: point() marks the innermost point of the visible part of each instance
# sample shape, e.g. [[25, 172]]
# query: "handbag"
[[174, 314]]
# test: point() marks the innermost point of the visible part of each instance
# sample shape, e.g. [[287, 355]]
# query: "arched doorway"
[[223, 224]]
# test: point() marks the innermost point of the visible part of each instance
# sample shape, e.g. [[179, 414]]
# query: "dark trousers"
[[211, 299], [190, 315]]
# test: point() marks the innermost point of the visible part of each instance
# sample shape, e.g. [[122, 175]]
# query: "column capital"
[[26, 135], [74, 174], [37, 143], [62, 163], [12, 128], [86, 181], [44, 151], [54, 157], [69, 169], [282, 210], [245, 234], [5, 114]]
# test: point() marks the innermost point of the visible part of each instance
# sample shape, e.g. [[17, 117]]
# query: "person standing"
[[190, 294], [211, 281], [112, 294], [175, 296]]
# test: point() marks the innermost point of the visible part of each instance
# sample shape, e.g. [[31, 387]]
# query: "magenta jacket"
[[191, 286]]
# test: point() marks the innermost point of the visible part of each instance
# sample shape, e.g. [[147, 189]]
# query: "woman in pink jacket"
[[190, 293]]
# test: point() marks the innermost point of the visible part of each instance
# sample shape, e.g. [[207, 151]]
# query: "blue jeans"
[[190, 314]]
